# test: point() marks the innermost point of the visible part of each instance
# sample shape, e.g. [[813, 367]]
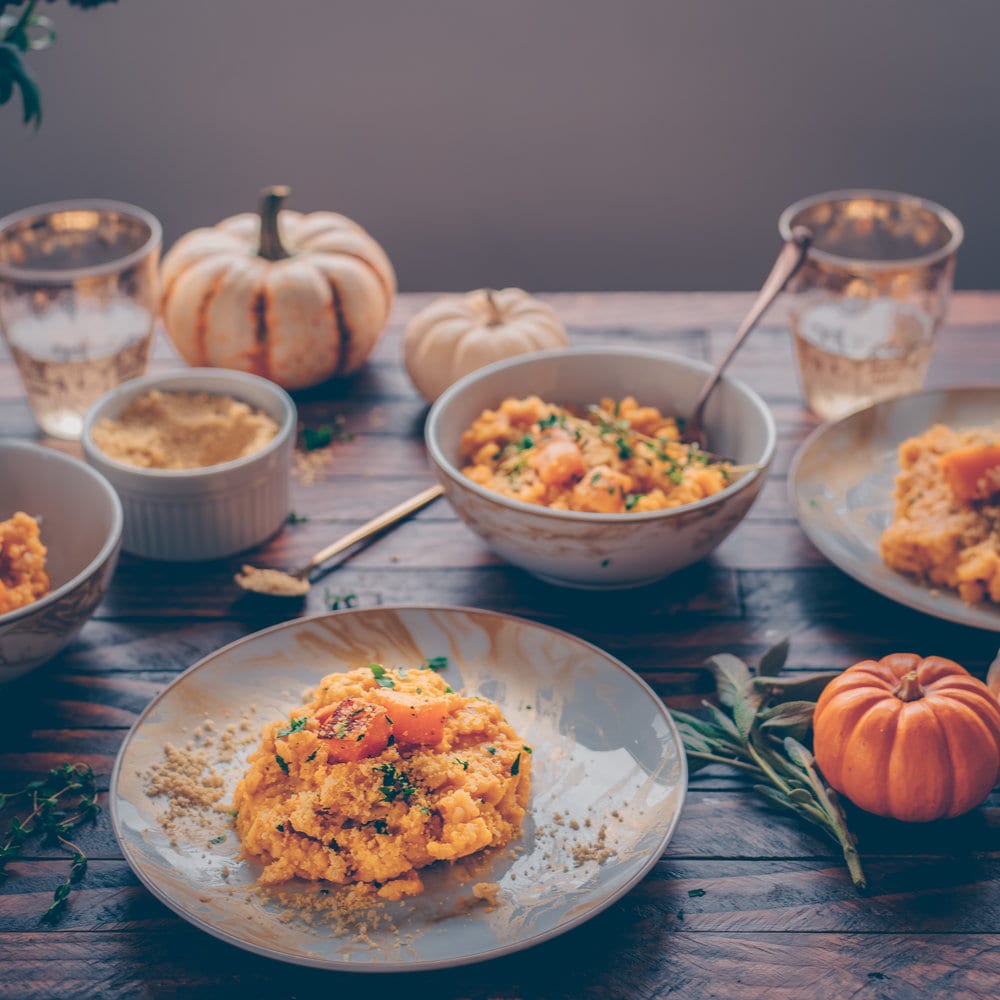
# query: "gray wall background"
[[552, 144]]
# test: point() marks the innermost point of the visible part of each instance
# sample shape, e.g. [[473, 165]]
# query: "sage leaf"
[[698, 725], [798, 753], [731, 675], [745, 713], [693, 740], [772, 662], [800, 686], [788, 715], [724, 723]]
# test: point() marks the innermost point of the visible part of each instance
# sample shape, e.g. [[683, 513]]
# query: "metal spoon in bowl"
[[790, 259], [277, 583]]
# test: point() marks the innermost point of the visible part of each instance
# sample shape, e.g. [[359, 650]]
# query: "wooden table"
[[745, 903]]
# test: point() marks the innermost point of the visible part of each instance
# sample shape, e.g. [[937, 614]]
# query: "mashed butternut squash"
[[619, 457], [944, 529], [22, 563], [378, 775]]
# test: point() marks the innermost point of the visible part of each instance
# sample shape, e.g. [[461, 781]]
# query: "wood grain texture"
[[746, 902]]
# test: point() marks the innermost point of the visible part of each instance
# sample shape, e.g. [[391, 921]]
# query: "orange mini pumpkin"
[[910, 738]]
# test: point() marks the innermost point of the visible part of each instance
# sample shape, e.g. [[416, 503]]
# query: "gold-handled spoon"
[[790, 259], [295, 583]]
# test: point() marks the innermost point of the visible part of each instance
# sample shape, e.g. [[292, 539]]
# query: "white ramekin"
[[197, 514]]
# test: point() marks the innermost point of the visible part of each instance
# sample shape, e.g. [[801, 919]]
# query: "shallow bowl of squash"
[[79, 522], [591, 549]]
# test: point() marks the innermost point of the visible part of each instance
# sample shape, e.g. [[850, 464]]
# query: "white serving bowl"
[[578, 549], [184, 515], [81, 525]]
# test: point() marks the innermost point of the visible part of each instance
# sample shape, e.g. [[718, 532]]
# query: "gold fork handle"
[[789, 260], [373, 527]]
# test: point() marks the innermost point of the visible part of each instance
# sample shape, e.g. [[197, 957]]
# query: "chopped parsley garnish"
[[624, 451], [526, 442], [694, 893], [294, 518], [281, 763], [550, 421], [380, 825], [425, 810], [380, 674], [516, 766], [631, 499], [395, 784], [295, 726], [464, 763], [491, 749], [312, 438], [312, 756], [335, 602], [527, 749], [435, 663], [280, 828], [595, 478], [676, 475], [218, 840], [234, 813], [334, 846], [448, 689]]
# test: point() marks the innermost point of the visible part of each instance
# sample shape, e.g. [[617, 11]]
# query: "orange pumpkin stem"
[[271, 200], [909, 688], [494, 318]]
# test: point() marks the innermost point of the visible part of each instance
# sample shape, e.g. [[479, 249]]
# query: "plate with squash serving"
[[398, 788], [904, 496]]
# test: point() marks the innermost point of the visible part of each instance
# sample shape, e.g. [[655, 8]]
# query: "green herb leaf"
[[695, 893], [381, 675], [772, 662], [295, 726], [281, 763], [435, 663], [805, 686], [516, 766], [731, 675], [762, 737]]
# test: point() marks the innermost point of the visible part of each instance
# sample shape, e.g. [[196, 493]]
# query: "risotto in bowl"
[[572, 464]]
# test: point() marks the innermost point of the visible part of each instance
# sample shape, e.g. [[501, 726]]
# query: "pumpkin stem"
[[909, 688], [494, 318], [271, 199]]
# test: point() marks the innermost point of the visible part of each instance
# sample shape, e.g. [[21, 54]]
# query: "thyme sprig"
[[762, 729], [59, 803]]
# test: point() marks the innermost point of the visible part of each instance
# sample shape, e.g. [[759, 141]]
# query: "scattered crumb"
[[309, 466]]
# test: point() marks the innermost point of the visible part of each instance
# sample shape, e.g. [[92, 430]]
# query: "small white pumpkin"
[[296, 298], [457, 334]]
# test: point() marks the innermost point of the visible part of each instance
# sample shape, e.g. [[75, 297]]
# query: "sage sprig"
[[761, 727], [59, 803]]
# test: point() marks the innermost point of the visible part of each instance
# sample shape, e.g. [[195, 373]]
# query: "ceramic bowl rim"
[[106, 550], [586, 517], [135, 387]]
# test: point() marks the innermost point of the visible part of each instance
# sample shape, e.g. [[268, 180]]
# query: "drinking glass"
[[867, 303], [79, 294]]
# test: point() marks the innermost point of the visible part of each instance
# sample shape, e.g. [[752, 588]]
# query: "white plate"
[[606, 754], [841, 483]]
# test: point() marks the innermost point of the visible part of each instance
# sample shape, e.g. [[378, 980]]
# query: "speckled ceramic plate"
[[841, 484], [608, 782]]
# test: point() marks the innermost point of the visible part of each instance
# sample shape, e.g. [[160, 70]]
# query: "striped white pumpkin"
[[295, 298]]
